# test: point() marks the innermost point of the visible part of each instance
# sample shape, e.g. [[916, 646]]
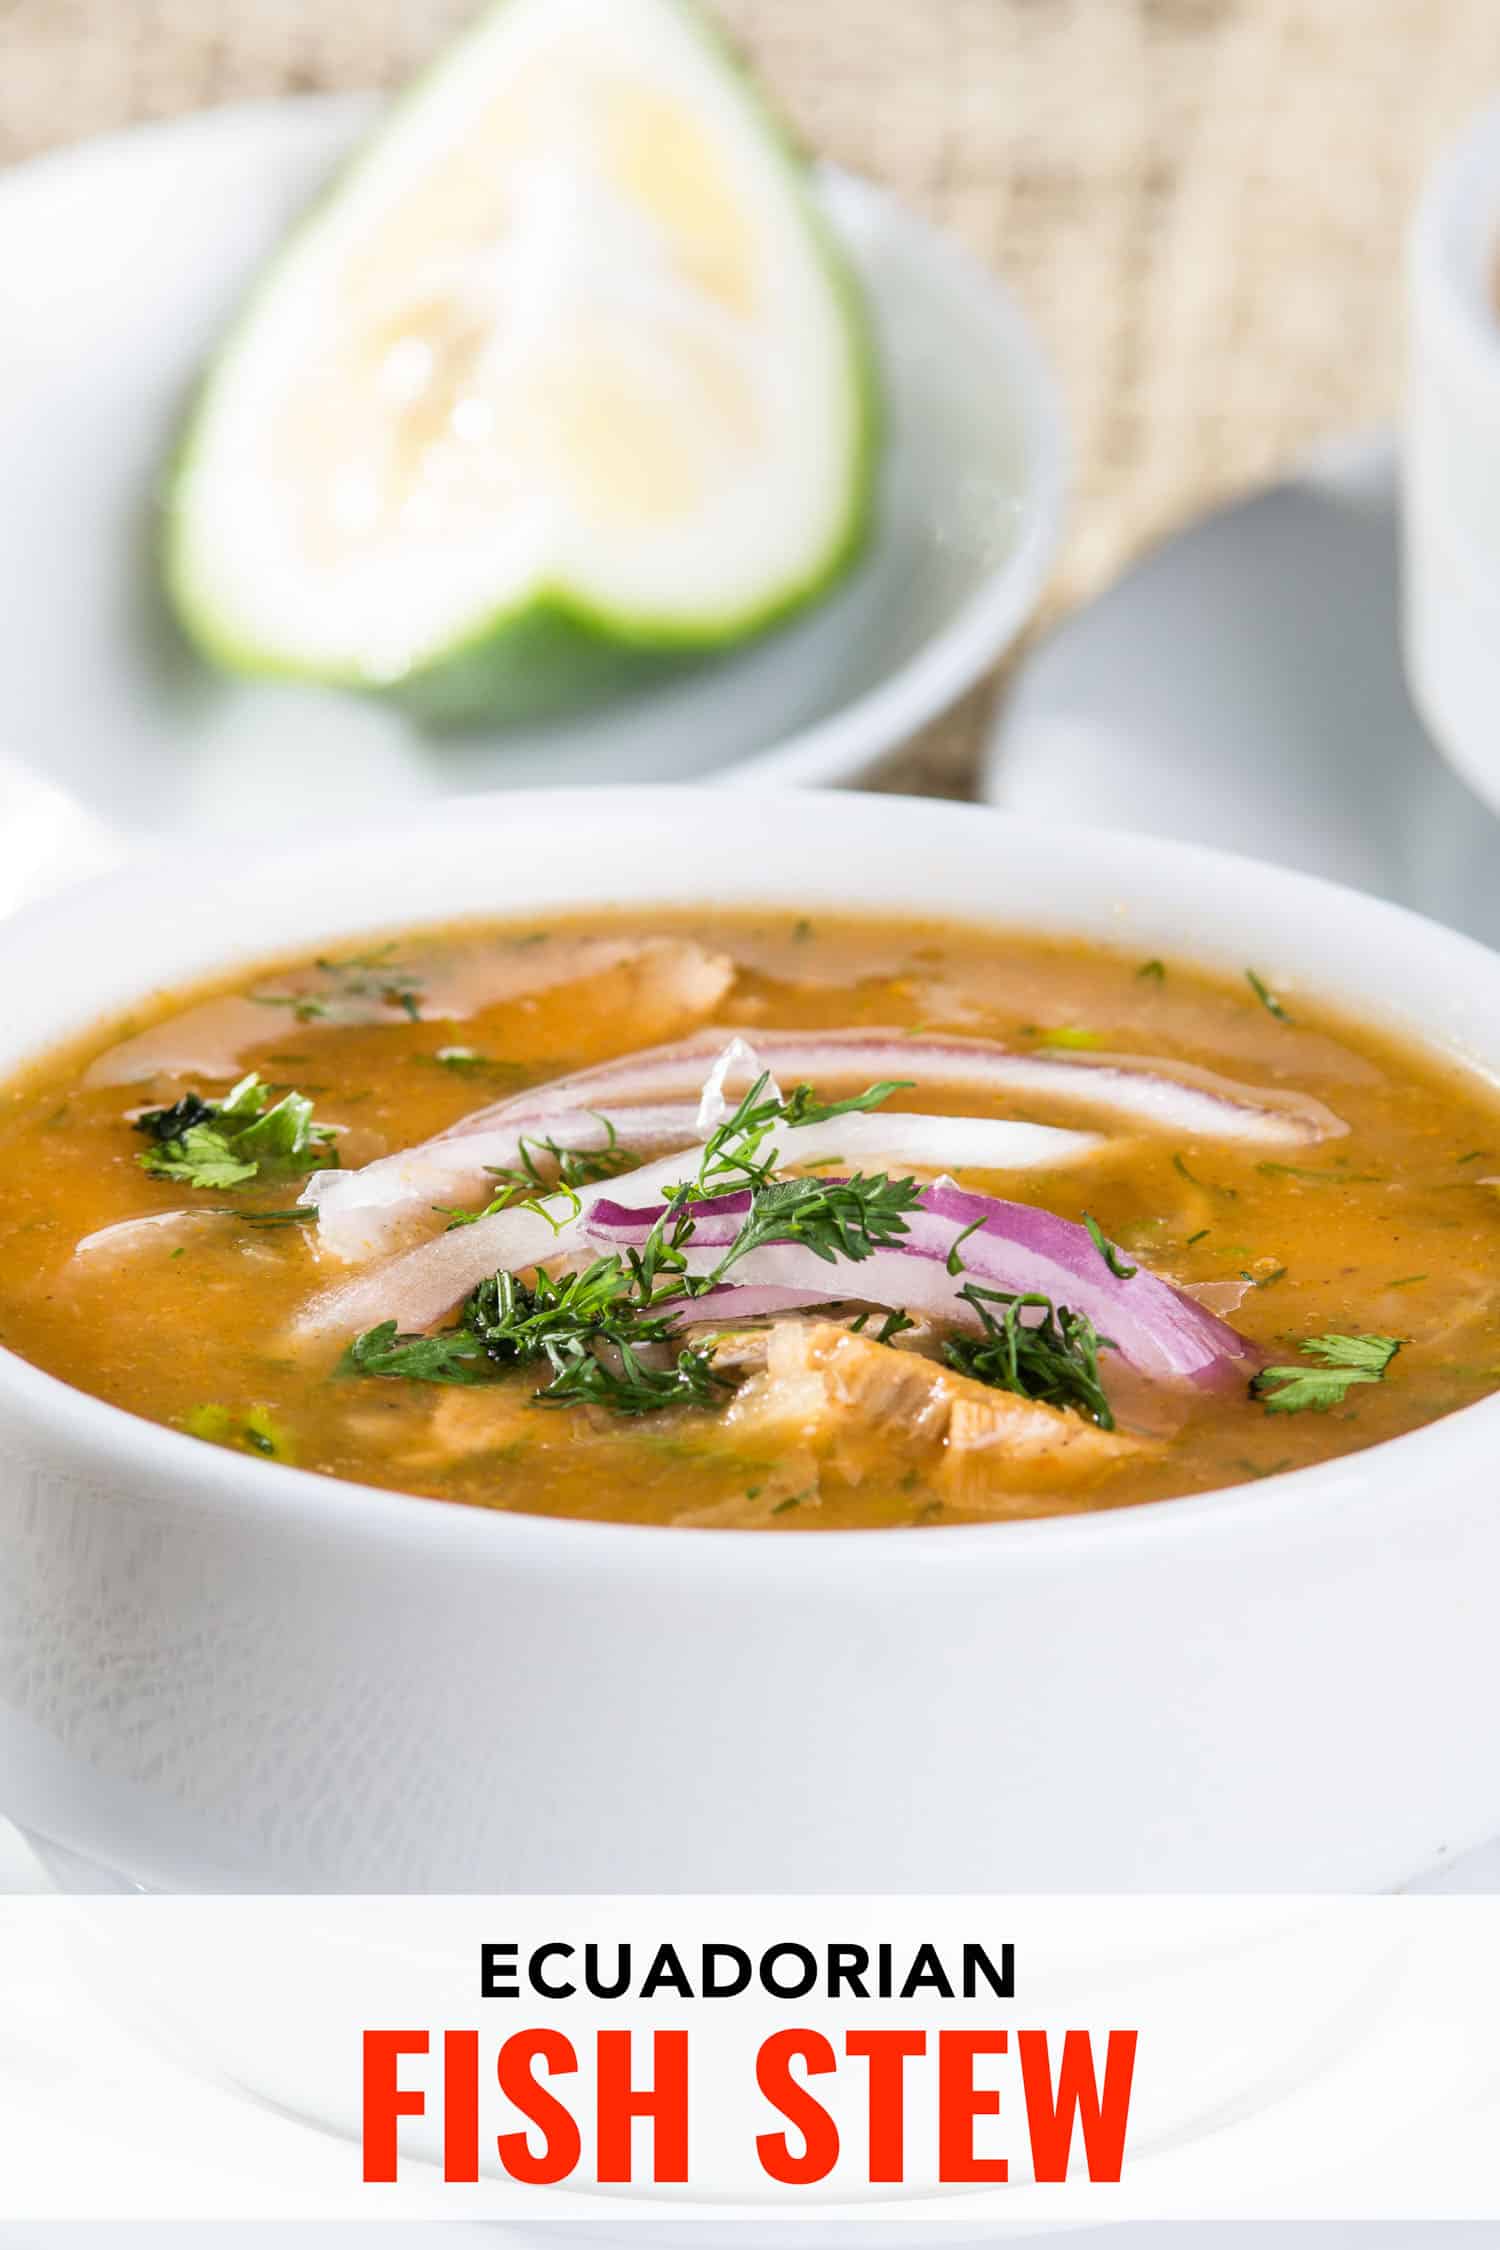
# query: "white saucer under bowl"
[[1242, 686], [122, 260]]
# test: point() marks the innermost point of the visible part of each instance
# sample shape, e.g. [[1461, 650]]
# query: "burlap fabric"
[[1200, 201]]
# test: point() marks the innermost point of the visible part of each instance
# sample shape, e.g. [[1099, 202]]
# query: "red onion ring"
[[366, 1212], [1150, 1090], [1014, 1247]]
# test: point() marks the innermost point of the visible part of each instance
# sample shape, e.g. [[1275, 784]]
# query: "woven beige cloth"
[[1201, 202]]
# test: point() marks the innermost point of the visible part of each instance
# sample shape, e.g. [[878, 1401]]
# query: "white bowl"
[[123, 260], [1451, 461], [221, 1672]]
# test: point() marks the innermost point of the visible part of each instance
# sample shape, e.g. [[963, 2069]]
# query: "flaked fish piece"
[[360, 1213], [868, 1409], [996, 1443], [500, 1418], [741, 1352]]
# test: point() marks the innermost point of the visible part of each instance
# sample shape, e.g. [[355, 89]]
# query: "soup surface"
[[1275, 1237]]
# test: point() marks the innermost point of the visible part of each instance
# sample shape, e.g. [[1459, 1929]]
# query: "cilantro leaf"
[[833, 1218], [253, 1431], [244, 1137], [1343, 1362], [454, 1355]]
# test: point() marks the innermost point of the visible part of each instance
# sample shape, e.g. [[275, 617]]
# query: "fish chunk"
[[868, 1409], [740, 1352]]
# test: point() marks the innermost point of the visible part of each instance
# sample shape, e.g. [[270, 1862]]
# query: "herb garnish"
[[357, 976], [1345, 1360], [1054, 1359], [1328, 1175], [468, 1062], [1108, 1252], [1151, 972], [833, 1219], [1263, 1280], [567, 1167], [246, 1136], [606, 1330], [253, 1431], [611, 1335], [587, 1327], [305, 1009], [1209, 1187], [732, 1156], [377, 976], [955, 1262], [1267, 998]]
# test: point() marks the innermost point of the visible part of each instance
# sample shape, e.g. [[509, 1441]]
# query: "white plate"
[[122, 260], [1242, 686]]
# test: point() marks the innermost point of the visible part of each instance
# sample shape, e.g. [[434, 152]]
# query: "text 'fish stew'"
[[758, 1223]]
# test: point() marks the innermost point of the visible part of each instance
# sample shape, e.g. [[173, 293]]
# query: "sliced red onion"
[[420, 1287], [727, 1306], [365, 1213], [1150, 1090], [1007, 1246]]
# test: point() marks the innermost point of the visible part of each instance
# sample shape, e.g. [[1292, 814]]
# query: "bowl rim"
[[1455, 228], [186, 1471], [856, 736]]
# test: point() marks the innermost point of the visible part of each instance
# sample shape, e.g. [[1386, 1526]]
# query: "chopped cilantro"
[[1180, 1167], [602, 1346], [253, 1431], [244, 1137], [1329, 1175], [1054, 1358], [1343, 1362], [955, 1262], [1267, 998], [468, 1062]]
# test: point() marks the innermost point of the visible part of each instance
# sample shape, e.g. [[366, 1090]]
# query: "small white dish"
[[1242, 686], [1451, 455], [331, 1687], [123, 259]]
